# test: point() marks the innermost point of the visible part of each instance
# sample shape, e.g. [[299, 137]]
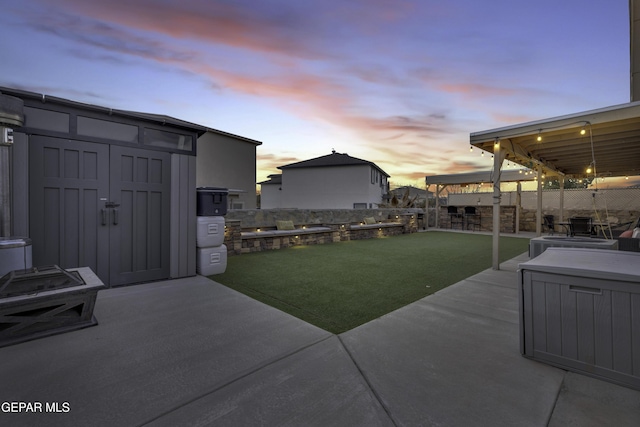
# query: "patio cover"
[[610, 144], [442, 181]]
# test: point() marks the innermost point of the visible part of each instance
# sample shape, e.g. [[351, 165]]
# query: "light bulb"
[[583, 131], [539, 138], [589, 169], [471, 148]]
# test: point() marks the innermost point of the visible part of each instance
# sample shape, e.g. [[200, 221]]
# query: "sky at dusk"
[[401, 83]]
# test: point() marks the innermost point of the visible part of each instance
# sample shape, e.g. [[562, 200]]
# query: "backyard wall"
[[254, 230], [252, 218]]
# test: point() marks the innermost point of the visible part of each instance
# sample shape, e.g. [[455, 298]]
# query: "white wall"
[[329, 187], [270, 196], [224, 161]]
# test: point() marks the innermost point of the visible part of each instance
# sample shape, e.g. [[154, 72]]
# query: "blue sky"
[[401, 83]]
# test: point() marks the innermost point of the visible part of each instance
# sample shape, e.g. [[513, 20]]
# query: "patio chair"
[[455, 217], [581, 226], [472, 217], [549, 224]]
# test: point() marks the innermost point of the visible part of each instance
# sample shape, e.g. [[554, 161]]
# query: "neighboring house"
[[334, 181], [228, 161], [271, 192]]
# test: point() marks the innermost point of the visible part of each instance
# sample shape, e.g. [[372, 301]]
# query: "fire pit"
[[43, 301]]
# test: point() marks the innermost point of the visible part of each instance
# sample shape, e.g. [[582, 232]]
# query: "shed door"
[[101, 206], [139, 226]]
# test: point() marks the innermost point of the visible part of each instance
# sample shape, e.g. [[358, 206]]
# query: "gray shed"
[[109, 189]]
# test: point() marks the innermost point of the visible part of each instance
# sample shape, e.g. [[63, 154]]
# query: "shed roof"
[[156, 118], [332, 160], [611, 139]]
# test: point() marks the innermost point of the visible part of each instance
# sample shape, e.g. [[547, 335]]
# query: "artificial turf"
[[339, 286]]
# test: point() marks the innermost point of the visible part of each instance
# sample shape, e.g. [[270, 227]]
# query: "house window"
[[235, 205], [359, 206]]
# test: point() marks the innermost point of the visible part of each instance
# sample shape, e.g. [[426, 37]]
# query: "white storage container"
[[211, 260], [15, 254], [579, 311], [210, 231]]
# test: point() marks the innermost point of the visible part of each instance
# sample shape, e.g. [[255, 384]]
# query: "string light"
[[539, 138], [583, 131], [471, 148]]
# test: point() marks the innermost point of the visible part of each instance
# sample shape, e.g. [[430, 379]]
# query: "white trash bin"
[[15, 254]]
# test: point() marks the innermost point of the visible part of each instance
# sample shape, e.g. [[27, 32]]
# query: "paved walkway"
[[193, 352]]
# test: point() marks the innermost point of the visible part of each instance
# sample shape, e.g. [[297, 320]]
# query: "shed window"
[[46, 119], [107, 130], [160, 138]]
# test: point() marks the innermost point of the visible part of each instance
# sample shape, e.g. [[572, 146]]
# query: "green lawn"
[[342, 285]]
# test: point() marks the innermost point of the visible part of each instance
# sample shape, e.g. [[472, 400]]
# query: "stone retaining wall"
[[254, 218], [253, 241]]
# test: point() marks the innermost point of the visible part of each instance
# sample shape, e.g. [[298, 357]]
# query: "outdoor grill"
[[43, 301]]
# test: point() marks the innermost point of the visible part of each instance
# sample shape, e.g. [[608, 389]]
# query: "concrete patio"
[[193, 352]]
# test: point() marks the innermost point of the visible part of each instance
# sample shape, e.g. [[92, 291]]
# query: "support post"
[[498, 157], [539, 207], [518, 205], [561, 215]]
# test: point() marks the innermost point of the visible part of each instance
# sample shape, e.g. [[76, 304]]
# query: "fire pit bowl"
[[44, 301]]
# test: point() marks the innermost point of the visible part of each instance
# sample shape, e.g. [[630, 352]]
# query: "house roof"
[[231, 135], [611, 139], [273, 179], [332, 160]]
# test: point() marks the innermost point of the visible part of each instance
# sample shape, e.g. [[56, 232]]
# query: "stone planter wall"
[[240, 239]]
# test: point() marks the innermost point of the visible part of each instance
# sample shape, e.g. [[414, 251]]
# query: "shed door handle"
[[116, 217], [104, 216]]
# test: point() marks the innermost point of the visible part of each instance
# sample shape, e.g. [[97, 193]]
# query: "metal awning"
[[613, 132], [607, 138], [476, 178]]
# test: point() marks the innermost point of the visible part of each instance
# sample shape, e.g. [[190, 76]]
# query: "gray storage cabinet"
[[538, 245], [580, 311]]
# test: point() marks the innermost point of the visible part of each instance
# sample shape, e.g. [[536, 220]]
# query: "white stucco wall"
[[329, 187], [225, 161], [270, 196]]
